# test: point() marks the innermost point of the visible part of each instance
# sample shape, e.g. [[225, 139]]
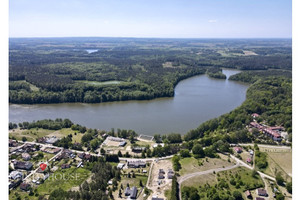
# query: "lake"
[[196, 100]]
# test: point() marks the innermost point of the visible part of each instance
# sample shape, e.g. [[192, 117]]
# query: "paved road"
[[267, 146]]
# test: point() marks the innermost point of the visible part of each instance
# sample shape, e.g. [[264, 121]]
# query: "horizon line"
[[133, 37]]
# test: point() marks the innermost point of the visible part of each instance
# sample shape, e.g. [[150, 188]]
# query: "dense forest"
[[56, 70]]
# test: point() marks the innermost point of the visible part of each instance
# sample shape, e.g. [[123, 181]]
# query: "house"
[[249, 160], [273, 134], [22, 165], [41, 140], [26, 156], [161, 176], [120, 165], [262, 192], [16, 175], [84, 156], [122, 144], [277, 128], [28, 148], [248, 194], [251, 152], [51, 150], [65, 166], [12, 143], [170, 174], [156, 198], [25, 186], [256, 125], [238, 149], [255, 115], [138, 149], [136, 164], [132, 193]]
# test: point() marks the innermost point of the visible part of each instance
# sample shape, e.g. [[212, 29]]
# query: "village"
[[32, 163]]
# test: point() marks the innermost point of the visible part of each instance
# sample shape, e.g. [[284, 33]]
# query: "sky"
[[151, 18]]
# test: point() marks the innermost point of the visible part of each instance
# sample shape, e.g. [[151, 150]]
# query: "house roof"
[[261, 191]]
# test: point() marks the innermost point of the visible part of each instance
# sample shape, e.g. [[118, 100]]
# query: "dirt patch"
[[159, 186]]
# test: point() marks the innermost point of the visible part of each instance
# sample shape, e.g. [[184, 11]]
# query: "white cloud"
[[212, 21]]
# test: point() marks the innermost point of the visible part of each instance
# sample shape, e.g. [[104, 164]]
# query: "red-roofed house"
[[255, 115], [249, 160], [238, 149]]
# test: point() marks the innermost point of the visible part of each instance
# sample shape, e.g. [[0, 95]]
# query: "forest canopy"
[[56, 70]]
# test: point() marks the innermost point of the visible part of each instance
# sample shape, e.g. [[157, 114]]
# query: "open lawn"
[[34, 133], [65, 179], [200, 180], [191, 165]]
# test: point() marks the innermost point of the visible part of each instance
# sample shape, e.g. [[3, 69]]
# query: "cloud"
[[212, 21]]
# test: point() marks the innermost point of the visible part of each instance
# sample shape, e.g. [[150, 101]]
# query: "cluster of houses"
[[260, 192], [274, 132], [239, 150], [20, 156], [66, 153], [161, 174]]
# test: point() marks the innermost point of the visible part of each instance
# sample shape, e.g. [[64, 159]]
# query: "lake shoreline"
[[196, 100]]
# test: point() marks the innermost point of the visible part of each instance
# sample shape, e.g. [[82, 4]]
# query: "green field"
[[222, 183], [191, 165]]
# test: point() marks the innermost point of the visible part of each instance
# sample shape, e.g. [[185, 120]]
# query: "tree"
[[198, 151], [279, 179], [141, 183], [120, 154], [176, 164], [289, 187], [24, 139], [237, 195], [279, 196], [184, 153]]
